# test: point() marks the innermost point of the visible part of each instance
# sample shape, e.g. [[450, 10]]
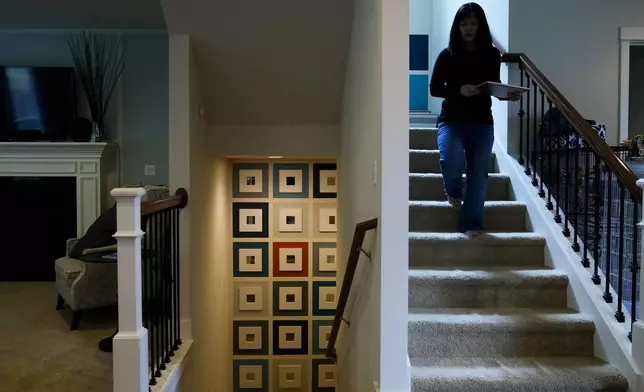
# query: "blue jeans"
[[466, 148]]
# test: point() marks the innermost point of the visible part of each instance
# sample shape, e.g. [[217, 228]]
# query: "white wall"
[[575, 44], [636, 91], [205, 226], [374, 131], [286, 140], [497, 12]]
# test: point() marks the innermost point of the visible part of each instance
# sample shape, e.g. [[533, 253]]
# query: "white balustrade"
[[130, 357]]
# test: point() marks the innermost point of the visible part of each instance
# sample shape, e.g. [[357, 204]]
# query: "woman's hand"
[[469, 90]]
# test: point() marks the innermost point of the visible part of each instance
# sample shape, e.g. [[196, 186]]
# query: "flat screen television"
[[37, 103]]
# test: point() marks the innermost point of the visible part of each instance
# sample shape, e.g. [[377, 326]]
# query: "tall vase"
[[97, 132]]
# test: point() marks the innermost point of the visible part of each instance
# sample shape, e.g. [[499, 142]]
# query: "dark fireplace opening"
[[38, 216]]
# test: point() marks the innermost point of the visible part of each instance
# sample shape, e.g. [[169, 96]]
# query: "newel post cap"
[[128, 192]]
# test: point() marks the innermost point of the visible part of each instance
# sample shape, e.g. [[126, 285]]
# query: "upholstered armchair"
[[82, 285]]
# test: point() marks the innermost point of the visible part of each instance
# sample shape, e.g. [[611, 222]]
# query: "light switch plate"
[[150, 170]]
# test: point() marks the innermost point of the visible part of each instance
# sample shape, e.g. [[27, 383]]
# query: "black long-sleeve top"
[[452, 71]]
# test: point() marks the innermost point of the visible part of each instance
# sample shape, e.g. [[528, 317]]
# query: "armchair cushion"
[[99, 234]]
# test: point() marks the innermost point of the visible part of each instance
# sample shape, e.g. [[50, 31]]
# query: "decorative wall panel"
[[284, 274]]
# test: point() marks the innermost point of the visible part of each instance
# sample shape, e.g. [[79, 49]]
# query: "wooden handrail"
[[619, 169], [179, 199], [354, 255]]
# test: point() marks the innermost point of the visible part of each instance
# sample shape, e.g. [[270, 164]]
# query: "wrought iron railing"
[[587, 184]]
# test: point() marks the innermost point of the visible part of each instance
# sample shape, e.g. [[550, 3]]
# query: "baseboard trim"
[[611, 341], [169, 381]]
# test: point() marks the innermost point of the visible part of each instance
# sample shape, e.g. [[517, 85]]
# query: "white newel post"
[[638, 326], [130, 346]]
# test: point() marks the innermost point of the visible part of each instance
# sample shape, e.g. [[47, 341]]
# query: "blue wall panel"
[[418, 92], [418, 52]]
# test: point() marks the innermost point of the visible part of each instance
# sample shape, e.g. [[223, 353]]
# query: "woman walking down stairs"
[[486, 313]]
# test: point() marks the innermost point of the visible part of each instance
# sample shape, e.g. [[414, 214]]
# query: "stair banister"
[[130, 357], [638, 326]]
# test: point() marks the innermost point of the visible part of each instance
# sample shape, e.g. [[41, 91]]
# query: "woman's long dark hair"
[[483, 36]]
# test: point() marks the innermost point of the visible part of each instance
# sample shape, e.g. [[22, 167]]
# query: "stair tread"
[[505, 276], [445, 204], [514, 319], [515, 374], [491, 176], [494, 239]]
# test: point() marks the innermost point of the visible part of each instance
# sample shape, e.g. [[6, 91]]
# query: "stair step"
[[423, 138], [513, 332], [487, 288], [551, 374], [429, 186], [427, 161], [457, 250], [440, 216]]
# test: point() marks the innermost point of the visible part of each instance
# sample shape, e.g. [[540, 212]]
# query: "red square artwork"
[[291, 259]]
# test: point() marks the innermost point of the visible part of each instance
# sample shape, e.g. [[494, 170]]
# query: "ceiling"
[[261, 62], [82, 14]]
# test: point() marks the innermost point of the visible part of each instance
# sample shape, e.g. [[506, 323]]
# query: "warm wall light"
[[275, 157]]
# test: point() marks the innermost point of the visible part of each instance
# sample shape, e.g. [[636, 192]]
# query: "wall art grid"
[[284, 275]]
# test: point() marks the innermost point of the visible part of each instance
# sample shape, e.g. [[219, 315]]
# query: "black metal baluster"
[[166, 277], [521, 115], [565, 209], [608, 296], [527, 136], [550, 185], [151, 303], [557, 193], [575, 205], [159, 297], [597, 185], [175, 327], [619, 314], [585, 261], [170, 283], [542, 157], [634, 267], [178, 285], [534, 136]]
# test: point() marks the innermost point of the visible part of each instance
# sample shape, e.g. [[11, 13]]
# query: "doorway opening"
[[631, 82]]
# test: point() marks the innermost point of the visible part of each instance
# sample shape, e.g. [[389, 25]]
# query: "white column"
[[130, 357], [638, 327]]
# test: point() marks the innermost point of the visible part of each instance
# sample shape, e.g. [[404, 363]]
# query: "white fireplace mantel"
[[64, 159]]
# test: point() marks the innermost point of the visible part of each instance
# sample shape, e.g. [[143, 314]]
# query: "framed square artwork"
[[251, 299], [250, 375], [250, 259], [328, 219], [290, 259], [325, 180], [290, 220], [324, 378], [324, 259], [291, 180], [250, 180], [290, 298], [250, 337], [290, 374], [321, 335], [324, 298], [250, 220], [290, 337]]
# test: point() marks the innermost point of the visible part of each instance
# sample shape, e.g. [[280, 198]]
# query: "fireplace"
[[51, 192], [40, 213]]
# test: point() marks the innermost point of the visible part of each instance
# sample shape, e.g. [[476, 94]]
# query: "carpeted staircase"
[[486, 314]]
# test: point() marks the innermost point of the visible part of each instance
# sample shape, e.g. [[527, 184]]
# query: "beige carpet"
[[38, 352], [486, 314]]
